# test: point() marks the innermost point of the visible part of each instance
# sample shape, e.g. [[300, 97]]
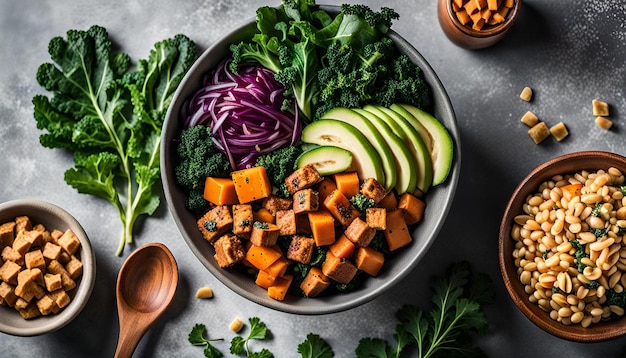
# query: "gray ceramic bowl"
[[52, 217], [438, 200]]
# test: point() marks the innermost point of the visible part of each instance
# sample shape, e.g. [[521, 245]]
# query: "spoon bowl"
[[145, 288]]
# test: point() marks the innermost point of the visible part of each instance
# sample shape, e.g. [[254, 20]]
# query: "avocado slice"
[[365, 160], [327, 159], [442, 151], [413, 141], [373, 136], [406, 173]]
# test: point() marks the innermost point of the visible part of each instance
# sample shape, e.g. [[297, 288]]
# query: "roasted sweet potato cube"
[[412, 208], [314, 283], [369, 260], [340, 207], [340, 270]]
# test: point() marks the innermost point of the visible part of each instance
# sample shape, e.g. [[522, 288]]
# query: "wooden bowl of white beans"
[[562, 246]]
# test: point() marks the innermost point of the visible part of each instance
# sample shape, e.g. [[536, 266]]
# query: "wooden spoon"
[[145, 288]]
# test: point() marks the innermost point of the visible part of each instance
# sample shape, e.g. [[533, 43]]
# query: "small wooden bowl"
[[466, 37], [565, 164]]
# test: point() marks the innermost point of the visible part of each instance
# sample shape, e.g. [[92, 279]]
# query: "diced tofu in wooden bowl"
[[47, 267], [308, 250]]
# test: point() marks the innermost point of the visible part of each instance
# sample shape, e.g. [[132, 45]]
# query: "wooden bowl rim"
[[591, 160]]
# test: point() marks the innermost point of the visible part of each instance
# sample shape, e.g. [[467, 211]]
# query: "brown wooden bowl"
[[466, 37], [565, 164]]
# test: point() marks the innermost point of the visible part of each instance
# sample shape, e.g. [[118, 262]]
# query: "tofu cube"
[[275, 203], [7, 292], [30, 312], [61, 298], [305, 200], [600, 108], [228, 250], [9, 271], [360, 233], [215, 223], [21, 245], [264, 234], [302, 178], [7, 233], [74, 267], [55, 267], [69, 242], [53, 282], [51, 251], [376, 218], [34, 259], [339, 270], [286, 221], [301, 249], [243, 219], [22, 223], [46, 305], [372, 189]]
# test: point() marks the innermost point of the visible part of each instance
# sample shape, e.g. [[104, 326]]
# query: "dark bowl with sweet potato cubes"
[[438, 199]]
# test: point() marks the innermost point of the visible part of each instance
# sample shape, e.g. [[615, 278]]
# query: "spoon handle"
[[128, 340]]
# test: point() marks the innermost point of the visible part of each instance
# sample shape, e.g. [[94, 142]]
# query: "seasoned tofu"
[[286, 221], [51, 251], [264, 234], [7, 233], [53, 282], [34, 259], [301, 249], [302, 178], [228, 250], [215, 223], [360, 233], [305, 200], [243, 219], [74, 267], [376, 218], [55, 267], [22, 223], [275, 203], [9, 271], [69, 242], [372, 189]]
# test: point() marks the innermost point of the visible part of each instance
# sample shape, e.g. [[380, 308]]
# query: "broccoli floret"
[[199, 158], [614, 298], [378, 20], [361, 202], [376, 74], [195, 201], [279, 163], [580, 254]]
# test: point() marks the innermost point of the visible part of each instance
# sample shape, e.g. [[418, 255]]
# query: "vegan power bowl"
[[291, 129]]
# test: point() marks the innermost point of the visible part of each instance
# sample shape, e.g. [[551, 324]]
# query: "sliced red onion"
[[244, 113]]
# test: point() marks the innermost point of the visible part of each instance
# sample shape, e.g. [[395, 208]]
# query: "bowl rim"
[[492, 30], [46, 324], [603, 331], [320, 307]]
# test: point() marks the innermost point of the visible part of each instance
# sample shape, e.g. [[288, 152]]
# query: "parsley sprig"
[[196, 337], [258, 331], [443, 331]]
